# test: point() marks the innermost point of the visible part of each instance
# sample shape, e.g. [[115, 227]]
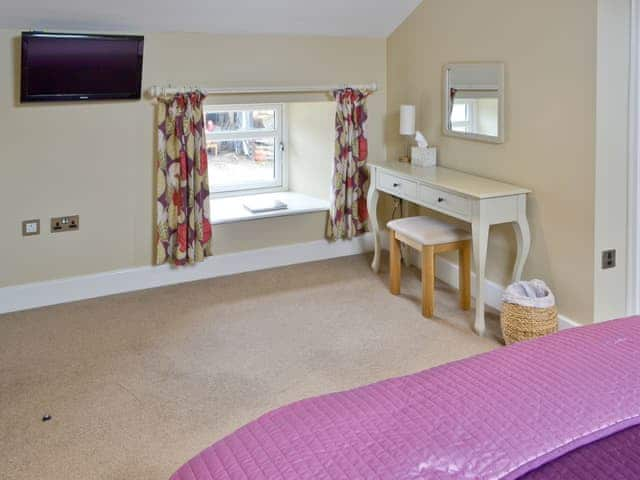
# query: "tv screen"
[[63, 66]]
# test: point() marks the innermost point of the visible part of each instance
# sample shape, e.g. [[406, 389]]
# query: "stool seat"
[[428, 231]]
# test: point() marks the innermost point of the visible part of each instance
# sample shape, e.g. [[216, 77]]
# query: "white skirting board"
[[53, 292], [447, 272]]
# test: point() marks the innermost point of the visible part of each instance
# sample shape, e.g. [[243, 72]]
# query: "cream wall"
[[548, 47], [311, 147], [96, 159], [488, 119]]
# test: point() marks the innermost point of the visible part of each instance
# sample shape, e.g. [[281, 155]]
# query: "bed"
[[565, 406]]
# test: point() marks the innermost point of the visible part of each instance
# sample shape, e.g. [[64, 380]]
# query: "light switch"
[[608, 259], [30, 227]]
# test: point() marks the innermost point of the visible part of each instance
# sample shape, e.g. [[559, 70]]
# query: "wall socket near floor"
[[30, 227], [65, 224], [608, 259]]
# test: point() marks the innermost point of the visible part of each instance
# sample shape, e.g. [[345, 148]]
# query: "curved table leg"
[[480, 233], [406, 251], [372, 205], [523, 239]]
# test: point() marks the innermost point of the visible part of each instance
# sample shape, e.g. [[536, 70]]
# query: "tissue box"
[[424, 157]]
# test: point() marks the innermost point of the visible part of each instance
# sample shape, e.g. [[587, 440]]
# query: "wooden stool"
[[430, 237]]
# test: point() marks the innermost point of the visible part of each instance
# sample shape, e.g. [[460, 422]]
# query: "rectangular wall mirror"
[[474, 101]]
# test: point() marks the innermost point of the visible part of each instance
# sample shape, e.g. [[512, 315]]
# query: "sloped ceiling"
[[355, 18]]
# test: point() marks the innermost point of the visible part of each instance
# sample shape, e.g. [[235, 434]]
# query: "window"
[[245, 148], [462, 116], [475, 115]]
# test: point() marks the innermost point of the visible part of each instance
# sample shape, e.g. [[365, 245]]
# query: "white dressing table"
[[477, 200]]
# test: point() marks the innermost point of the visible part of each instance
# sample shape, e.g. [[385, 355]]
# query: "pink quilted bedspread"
[[495, 416]]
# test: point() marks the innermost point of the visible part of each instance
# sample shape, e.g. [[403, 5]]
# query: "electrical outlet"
[[608, 259], [65, 224], [30, 227]]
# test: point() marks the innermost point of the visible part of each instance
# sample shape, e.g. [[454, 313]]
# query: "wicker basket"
[[524, 323]]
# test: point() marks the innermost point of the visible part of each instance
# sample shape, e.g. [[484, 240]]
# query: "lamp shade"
[[407, 119]]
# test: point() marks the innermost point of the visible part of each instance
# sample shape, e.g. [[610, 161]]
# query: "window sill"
[[232, 210]]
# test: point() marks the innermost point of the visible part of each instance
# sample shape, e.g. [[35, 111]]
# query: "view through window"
[[244, 147]]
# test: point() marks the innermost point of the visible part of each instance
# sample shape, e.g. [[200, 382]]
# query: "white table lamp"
[[407, 126], [407, 120]]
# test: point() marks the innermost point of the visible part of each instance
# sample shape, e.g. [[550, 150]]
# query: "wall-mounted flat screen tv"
[[67, 67]]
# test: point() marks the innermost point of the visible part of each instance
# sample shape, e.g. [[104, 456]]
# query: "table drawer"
[[444, 201], [401, 186]]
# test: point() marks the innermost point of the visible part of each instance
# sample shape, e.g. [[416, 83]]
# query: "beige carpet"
[[138, 383]]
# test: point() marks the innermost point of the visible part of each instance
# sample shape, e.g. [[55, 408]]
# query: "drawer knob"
[[396, 185], [440, 199]]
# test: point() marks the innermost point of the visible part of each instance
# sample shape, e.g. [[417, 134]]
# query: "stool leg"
[[395, 263], [464, 272], [428, 280]]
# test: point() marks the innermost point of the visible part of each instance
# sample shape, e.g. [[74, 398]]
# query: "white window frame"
[[470, 122], [280, 182]]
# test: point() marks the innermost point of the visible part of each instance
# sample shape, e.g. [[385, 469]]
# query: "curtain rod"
[[158, 91]]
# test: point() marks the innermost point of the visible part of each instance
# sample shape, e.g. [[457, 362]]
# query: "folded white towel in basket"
[[534, 293]]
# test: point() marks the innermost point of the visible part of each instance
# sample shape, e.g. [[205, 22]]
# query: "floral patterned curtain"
[[183, 227], [349, 215], [452, 99]]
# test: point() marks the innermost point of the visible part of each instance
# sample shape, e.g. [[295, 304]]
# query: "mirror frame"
[[500, 94]]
